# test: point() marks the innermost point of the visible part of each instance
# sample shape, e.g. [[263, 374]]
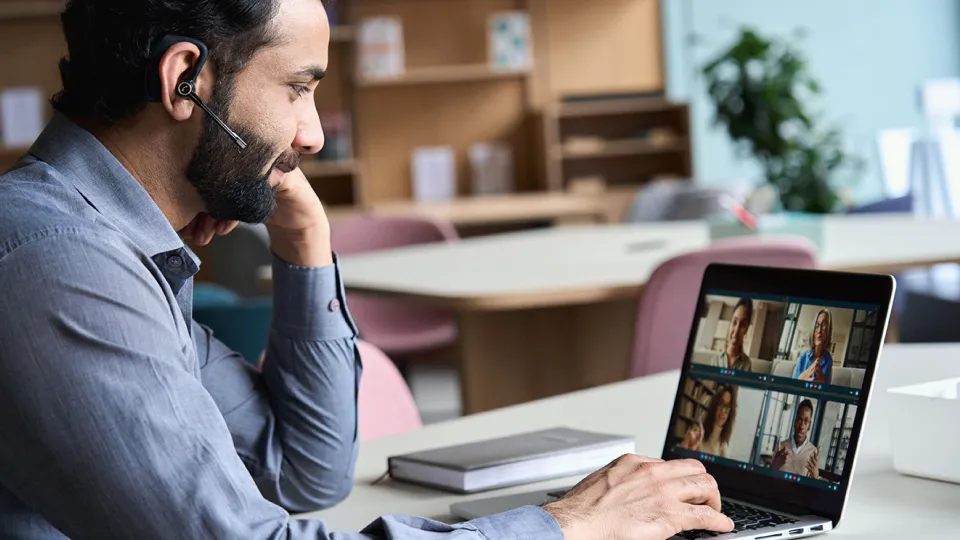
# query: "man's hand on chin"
[[299, 228]]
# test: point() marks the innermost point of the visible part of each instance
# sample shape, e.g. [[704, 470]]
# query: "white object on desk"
[[434, 174], [21, 116], [923, 429], [381, 50]]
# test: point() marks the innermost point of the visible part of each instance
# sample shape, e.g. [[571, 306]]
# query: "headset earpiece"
[[185, 89]]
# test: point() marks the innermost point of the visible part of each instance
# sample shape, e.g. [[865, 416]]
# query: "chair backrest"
[[761, 366], [386, 404], [783, 368], [244, 326], [372, 233], [675, 200], [669, 299], [378, 318], [238, 257]]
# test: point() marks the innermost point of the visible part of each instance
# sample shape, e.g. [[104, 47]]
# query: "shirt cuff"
[[527, 522], [310, 303]]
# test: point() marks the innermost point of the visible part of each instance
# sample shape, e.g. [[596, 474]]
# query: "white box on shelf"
[[434, 173], [380, 47], [21, 116], [510, 40], [923, 430], [491, 168]]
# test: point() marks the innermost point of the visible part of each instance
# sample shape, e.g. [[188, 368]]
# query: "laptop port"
[[777, 535], [796, 531], [818, 528]]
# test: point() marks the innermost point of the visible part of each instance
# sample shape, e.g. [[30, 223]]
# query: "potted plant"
[[761, 89]]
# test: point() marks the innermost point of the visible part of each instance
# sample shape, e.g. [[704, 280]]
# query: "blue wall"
[[869, 55]]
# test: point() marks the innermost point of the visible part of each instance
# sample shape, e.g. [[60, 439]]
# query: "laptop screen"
[[774, 384]]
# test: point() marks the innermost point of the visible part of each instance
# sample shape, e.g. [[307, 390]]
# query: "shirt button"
[[334, 305], [175, 261]]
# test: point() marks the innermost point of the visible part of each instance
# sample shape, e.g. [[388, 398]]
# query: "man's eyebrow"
[[315, 73]]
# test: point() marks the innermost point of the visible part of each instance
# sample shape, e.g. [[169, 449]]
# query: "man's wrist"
[[308, 247]]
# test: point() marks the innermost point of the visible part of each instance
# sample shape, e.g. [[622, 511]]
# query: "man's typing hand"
[[636, 498]]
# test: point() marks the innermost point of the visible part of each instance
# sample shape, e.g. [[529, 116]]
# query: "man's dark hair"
[[805, 404], [747, 305], [109, 43]]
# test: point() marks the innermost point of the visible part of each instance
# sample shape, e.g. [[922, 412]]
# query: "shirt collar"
[[107, 186], [793, 444]]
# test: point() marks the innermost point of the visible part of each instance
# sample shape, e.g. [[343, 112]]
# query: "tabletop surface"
[[571, 260], [882, 503]]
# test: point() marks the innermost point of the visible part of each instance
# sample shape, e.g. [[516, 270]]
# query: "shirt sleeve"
[[800, 365], [295, 424], [108, 433]]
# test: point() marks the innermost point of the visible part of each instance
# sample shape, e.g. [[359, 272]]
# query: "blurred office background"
[[453, 122]]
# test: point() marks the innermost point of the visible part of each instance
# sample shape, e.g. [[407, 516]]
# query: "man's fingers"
[[664, 471], [225, 227], [700, 489], [699, 517]]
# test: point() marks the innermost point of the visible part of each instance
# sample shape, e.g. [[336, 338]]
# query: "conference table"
[[882, 503], [550, 311]]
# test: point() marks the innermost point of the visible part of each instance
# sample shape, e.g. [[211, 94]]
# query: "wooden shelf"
[[326, 169], [20, 9], [620, 148], [696, 401], [614, 107], [445, 74], [503, 209], [338, 34]]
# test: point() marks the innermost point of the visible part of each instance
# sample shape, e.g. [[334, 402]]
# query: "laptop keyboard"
[[745, 518]]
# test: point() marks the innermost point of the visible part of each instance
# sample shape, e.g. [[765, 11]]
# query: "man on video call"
[[798, 455], [123, 418]]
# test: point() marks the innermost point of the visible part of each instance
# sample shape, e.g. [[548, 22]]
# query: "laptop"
[[772, 396]]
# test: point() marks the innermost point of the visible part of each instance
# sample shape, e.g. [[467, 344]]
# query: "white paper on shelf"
[[434, 174], [21, 116], [381, 48], [510, 40]]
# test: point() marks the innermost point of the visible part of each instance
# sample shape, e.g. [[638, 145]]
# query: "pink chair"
[[669, 299], [397, 327], [386, 406]]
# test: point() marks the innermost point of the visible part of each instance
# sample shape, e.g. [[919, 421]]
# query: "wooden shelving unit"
[[616, 143], [445, 74], [315, 168], [22, 9], [340, 34], [449, 95], [619, 148], [616, 107]]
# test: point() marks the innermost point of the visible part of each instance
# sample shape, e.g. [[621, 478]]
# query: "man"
[[733, 356], [121, 417], [798, 455]]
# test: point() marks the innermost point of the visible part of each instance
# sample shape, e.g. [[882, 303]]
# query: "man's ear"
[[177, 64]]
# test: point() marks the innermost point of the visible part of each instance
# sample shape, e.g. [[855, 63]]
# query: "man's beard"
[[231, 181]]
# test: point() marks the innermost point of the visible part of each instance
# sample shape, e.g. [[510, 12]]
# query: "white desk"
[[882, 503], [546, 312]]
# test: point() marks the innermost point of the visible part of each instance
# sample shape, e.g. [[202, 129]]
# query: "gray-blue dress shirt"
[[120, 417]]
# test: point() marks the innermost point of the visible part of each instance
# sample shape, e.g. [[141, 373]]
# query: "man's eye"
[[300, 90]]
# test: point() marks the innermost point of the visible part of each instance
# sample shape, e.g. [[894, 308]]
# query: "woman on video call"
[[816, 364], [713, 436]]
